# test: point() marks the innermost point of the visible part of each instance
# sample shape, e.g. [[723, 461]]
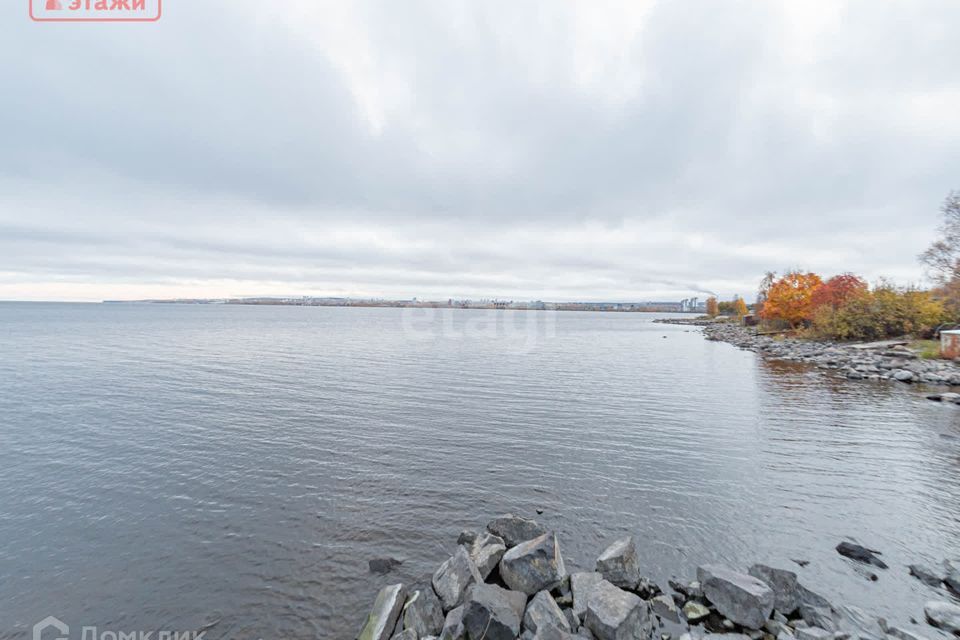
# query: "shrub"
[[882, 313]]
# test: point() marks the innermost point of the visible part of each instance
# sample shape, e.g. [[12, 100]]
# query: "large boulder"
[[453, 577], [816, 610], [514, 529], [492, 613], [543, 610], [615, 614], [665, 608], [943, 615], [860, 554], [383, 617], [786, 595], [739, 597], [952, 577], [486, 550], [582, 585], [534, 565], [618, 564], [453, 625], [423, 613], [550, 632]]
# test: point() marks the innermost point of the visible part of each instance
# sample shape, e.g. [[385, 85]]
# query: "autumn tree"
[[839, 290], [942, 257], [712, 307], [764, 291], [740, 307], [790, 298]]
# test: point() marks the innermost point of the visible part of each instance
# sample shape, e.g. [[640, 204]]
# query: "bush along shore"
[[883, 361], [510, 582]]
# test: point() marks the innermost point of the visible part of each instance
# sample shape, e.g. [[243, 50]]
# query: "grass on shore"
[[926, 349]]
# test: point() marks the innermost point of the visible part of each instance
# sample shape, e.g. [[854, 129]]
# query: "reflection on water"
[[165, 466]]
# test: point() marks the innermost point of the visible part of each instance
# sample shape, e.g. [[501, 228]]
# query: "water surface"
[[164, 467]]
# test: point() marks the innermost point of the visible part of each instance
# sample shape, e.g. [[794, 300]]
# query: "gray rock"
[[453, 577], [514, 529], [816, 610], [943, 615], [466, 538], [952, 579], [857, 624], [813, 633], [543, 610], [383, 566], [694, 611], [664, 607], [619, 565], [383, 617], [925, 575], [492, 613], [737, 596], [486, 550], [453, 625], [550, 632], [902, 375], [423, 613], [572, 620], [407, 634], [582, 585], [533, 565], [784, 584], [615, 614], [860, 554]]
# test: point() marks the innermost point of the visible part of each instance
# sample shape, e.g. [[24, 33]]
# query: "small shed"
[[950, 343]]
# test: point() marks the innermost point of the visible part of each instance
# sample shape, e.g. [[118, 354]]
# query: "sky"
[[542, 149]]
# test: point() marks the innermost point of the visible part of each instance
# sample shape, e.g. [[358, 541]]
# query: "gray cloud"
[[548, 149]]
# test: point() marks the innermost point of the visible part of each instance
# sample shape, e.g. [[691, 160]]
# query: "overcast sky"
[[527, 150]]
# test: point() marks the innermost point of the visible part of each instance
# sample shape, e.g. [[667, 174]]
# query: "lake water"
[[166, 467]]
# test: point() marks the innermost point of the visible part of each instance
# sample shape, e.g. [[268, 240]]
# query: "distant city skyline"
[[542, 150]]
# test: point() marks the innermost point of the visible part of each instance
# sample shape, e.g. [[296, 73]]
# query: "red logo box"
[[96, 10]]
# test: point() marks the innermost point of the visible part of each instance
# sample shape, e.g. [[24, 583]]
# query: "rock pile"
[[502, 585], [894, 363]]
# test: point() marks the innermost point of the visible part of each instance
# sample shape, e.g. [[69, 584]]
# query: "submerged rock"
[[534, 565], [860, 554], [925, 575], [514, 529], [492, 613], [383, 566], [739, 597], [619, 565], [453, 577], [615, 614], [784, 584], [543, 610], [382, 619]]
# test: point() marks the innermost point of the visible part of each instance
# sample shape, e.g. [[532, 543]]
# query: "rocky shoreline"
[[895, 363], [510, 582]]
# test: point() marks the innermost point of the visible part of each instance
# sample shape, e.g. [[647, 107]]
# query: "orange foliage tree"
[[713, 307], [740, 307], [790, 299], [839, 290]]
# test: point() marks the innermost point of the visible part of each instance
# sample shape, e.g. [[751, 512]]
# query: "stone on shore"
[[486, 550], [492, 613], [694, 611], [453, 625], [534, 565], [739, 597], [815, 610], [925, 575], [619, 565], [582, 585], [406, 634], [383, 617], [423, 613], [943, 615], [860, 554], [615, 614], [813, 633], [664, 607], [453, 577], [550, 632], [952, 579], [514, 529], [786, 597], [543, 610]]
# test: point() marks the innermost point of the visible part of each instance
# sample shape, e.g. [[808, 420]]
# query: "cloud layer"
[[555, 150]]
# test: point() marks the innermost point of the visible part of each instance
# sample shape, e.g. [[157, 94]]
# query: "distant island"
[[689, 305]]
